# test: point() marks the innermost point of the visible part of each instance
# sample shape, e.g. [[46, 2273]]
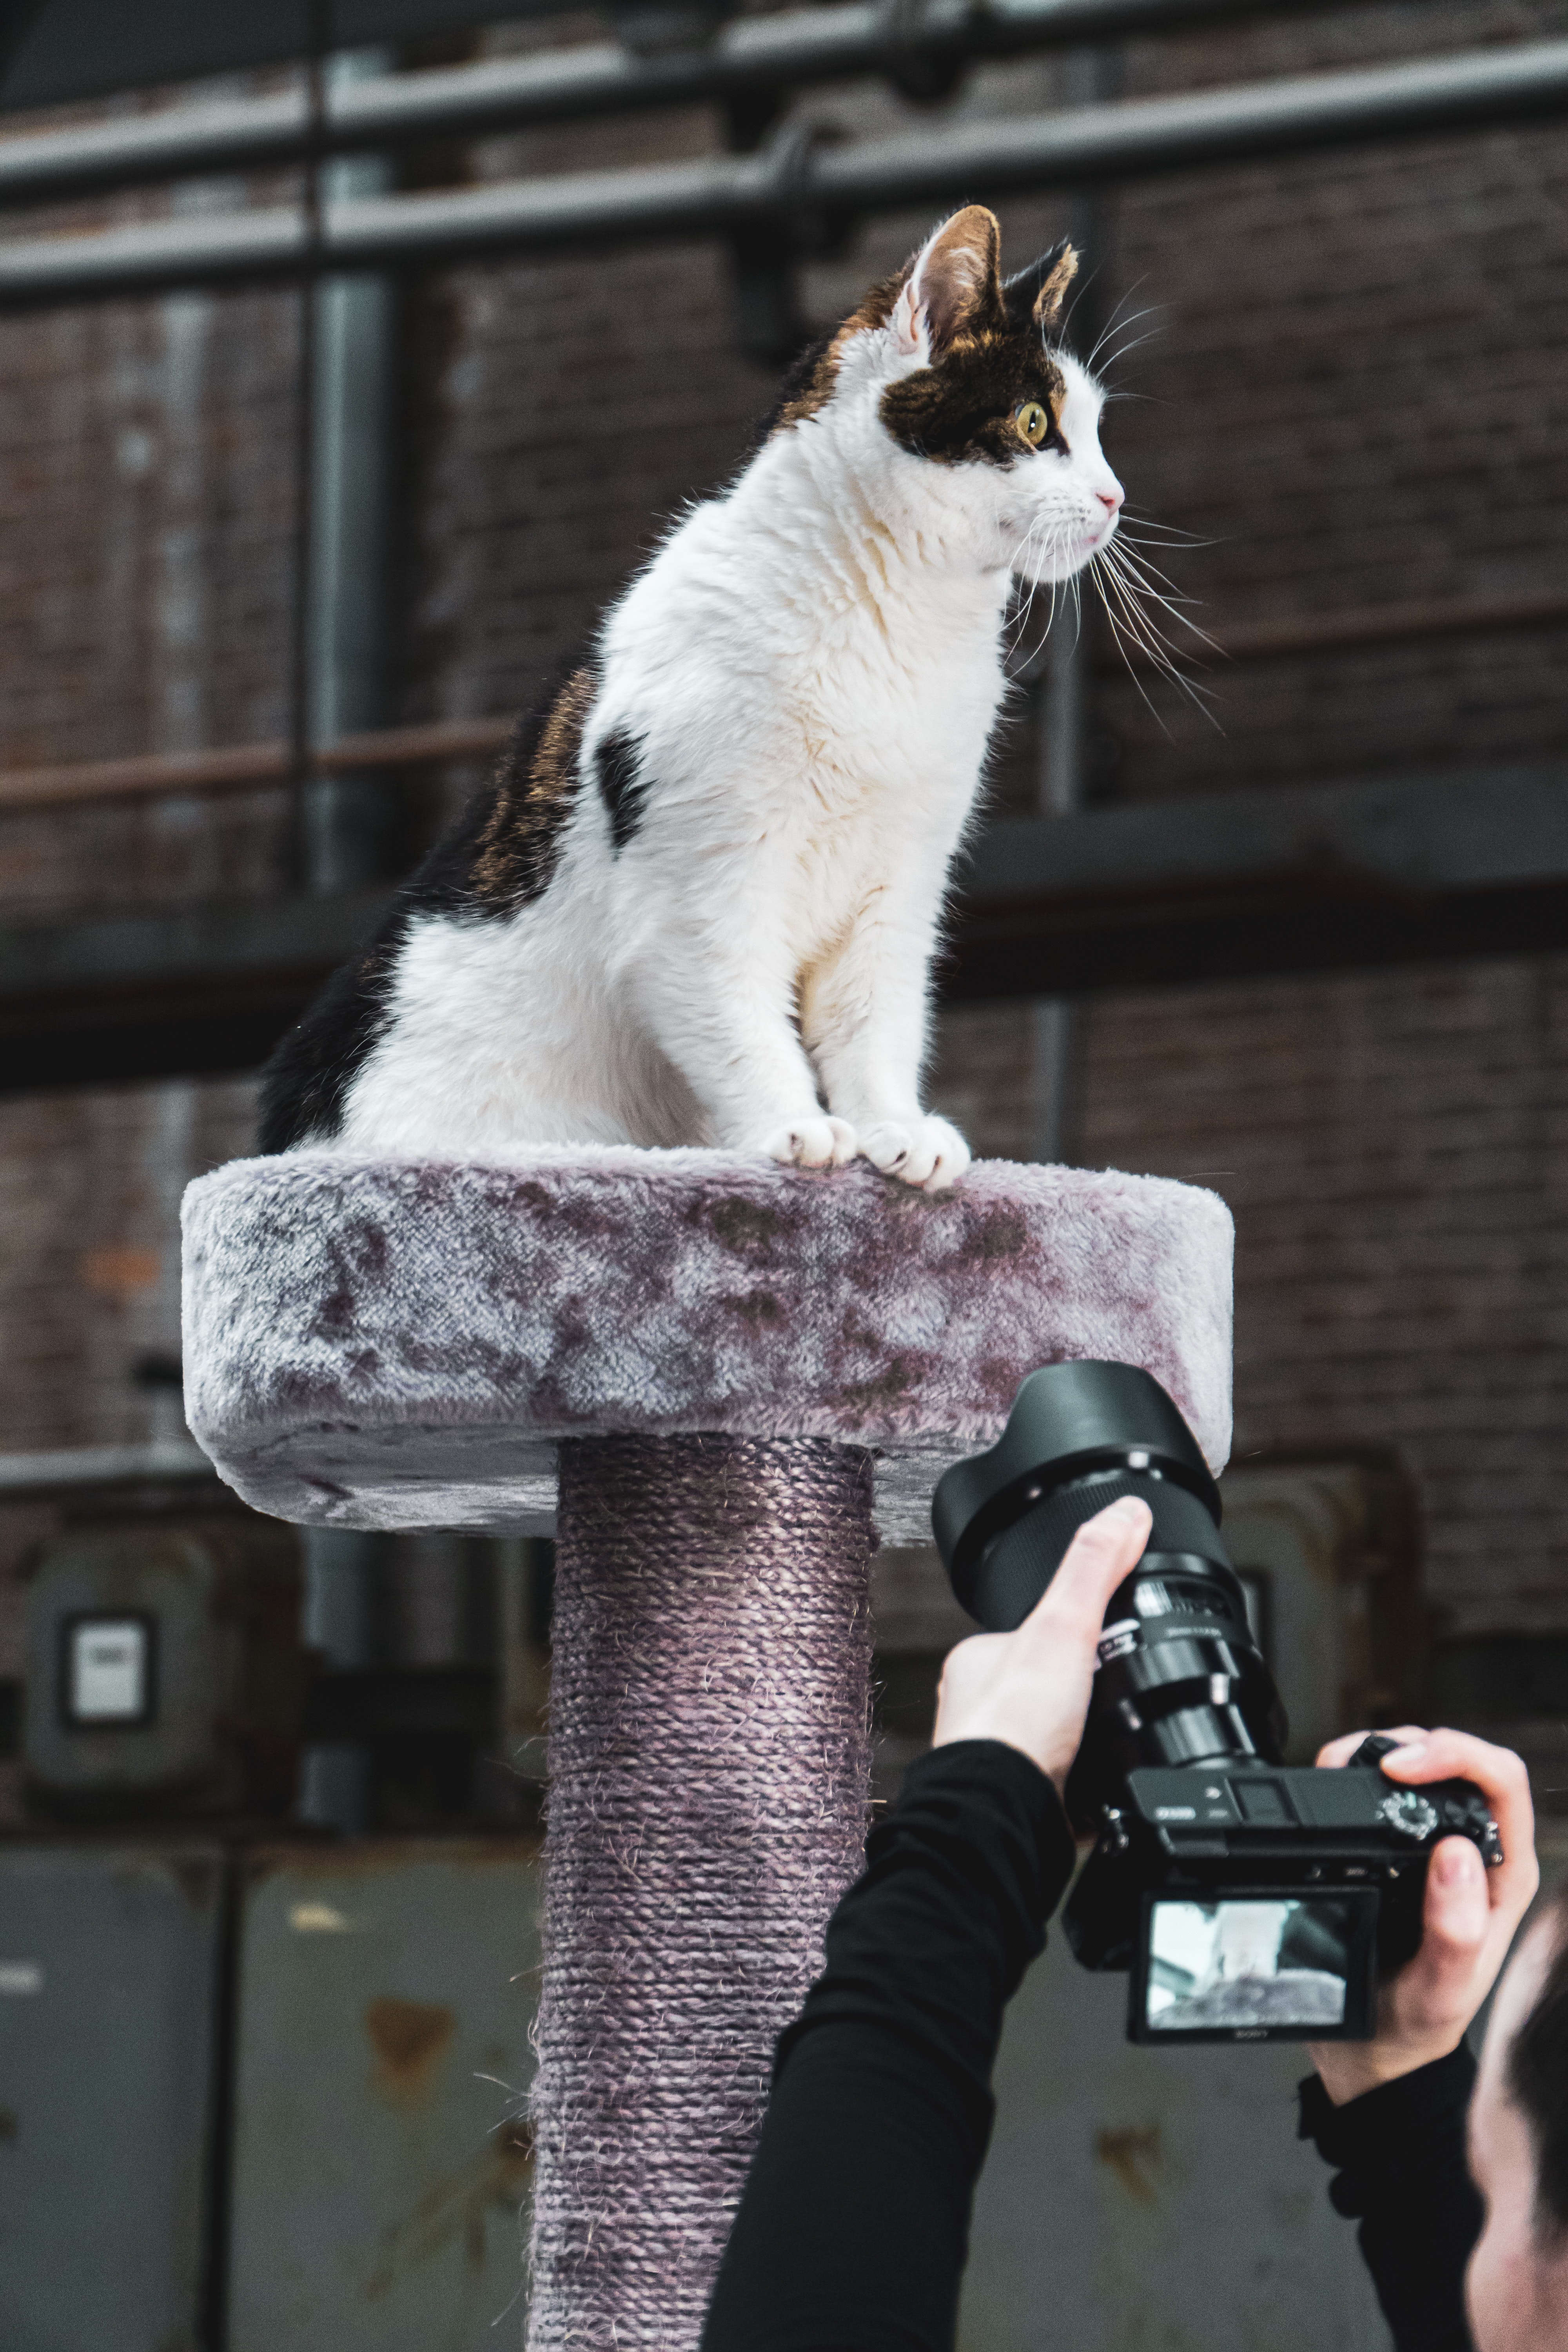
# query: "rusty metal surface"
[[380, 2185], [1136, 2198], [108, 1961]]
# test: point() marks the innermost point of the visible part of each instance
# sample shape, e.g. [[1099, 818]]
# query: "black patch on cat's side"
[[621, 787], [962, 408], [305, 1084], [502, 850], [498, 855]]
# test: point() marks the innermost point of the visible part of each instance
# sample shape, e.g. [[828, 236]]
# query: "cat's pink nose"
[[1110, 499]]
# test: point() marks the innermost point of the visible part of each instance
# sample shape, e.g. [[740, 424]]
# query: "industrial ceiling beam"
[[804, 188], [757, 56], [1419, 868]]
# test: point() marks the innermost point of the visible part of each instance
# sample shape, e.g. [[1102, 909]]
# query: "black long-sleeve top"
[[853, 2230]]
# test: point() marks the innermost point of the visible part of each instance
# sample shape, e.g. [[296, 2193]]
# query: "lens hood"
[[1067, 1421]]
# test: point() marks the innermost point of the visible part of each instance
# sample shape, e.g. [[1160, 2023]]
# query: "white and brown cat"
[[698, 903]]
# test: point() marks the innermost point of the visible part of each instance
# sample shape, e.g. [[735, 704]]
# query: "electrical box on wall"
[[163, 1667]]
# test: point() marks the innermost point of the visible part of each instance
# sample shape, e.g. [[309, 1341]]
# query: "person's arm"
[[854, 2226], [854, 2223], [1390, 2114]]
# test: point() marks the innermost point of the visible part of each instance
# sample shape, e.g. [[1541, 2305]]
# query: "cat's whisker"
[[1172, 532], [1119, 353], [1172, 603], [1143, 630], [1147, 630], [1095, 575], [1115, 322]]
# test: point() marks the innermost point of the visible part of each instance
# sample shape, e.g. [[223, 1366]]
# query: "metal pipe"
[[245, 767], [793, 49], [798, 184], [70, 1469], [348, 829]]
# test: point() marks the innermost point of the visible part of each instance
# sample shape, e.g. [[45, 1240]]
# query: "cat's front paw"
[[820, 1142], [928, 1152]]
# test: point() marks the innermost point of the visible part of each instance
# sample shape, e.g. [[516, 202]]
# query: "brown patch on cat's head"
[[808, 387], [519, 843], [986, 342]]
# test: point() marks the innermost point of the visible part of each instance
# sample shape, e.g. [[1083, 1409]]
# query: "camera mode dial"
[[1409, 1812]]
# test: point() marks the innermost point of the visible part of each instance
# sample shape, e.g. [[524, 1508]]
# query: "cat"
[[699, 901]]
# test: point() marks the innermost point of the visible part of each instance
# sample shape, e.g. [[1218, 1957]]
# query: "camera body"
[[1250, 1900], [1255, 1903]]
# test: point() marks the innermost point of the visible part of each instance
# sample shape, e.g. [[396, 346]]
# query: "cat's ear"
[[955, 284], [1039, 291]]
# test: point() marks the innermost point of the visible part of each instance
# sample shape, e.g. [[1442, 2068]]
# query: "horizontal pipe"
[[1290, 636], [243, 766], [744, 60], [240, 767], [70, 1469], [797, 186], [1419, 867]]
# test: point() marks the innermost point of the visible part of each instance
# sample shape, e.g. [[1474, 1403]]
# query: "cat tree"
[[725, 1377]]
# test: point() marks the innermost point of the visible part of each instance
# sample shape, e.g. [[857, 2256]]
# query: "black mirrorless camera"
[[1251, 1900]]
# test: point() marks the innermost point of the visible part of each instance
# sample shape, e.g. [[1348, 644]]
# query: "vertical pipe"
[[345, 823], [1055, 1042], [710, 1775], [348, 822]]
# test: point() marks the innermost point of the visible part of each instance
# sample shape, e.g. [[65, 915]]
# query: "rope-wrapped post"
[[710, 1770]]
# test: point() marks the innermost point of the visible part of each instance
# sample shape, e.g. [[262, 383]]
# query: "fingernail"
[[1417, 1748], [1129, 1507], [1452, 1860]]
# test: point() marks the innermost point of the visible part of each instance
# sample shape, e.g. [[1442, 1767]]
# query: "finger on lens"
[[1105, 1549]]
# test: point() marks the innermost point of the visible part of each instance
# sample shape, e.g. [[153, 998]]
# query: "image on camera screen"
[[1259, 1963]]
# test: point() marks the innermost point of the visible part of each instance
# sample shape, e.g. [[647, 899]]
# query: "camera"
[[1249, 1900]]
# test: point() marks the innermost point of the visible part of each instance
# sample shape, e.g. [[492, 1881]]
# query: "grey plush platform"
[[402, 1344]]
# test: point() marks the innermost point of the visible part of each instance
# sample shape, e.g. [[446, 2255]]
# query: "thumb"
[[1456, 1915]]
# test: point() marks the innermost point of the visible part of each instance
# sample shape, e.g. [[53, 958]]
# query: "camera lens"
[[1181, 1680]]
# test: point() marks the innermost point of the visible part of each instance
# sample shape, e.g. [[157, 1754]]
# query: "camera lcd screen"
[[1256, 1967]]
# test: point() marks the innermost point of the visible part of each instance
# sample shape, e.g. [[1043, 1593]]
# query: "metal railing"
[[804, 187], [917, 45]]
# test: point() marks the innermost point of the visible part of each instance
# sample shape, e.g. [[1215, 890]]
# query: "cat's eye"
[[1033, 423]]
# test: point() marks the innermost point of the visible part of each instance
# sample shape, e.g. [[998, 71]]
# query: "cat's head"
[[955, 368]]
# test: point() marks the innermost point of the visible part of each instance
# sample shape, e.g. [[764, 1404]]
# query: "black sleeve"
[[1403, 2174], [854, 2224]]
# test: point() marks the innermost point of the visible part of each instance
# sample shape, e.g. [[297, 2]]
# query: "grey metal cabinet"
[[109, 1977], [1138, 2198], [380, 2176]]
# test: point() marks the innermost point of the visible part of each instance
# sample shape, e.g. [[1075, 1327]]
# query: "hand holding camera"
[[1470, 1915], [1031, 1688], [1249, 1900]]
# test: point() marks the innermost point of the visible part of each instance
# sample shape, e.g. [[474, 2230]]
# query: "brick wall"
[[1391, 1146]]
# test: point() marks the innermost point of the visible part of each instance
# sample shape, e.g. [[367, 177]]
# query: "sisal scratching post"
[[736, 1374], [710, 1767]]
